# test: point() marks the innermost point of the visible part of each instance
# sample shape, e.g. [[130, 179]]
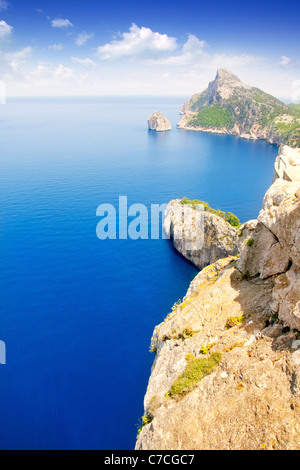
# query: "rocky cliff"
[[226, 373], [200, 234], [228, 106], [287, 164], [158, 122]]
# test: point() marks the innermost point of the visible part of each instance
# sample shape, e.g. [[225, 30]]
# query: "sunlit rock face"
[[158, 122], [246, 310], [229, 106]]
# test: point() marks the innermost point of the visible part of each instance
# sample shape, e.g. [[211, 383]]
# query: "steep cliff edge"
[[201, 234], [228, 106], [227, 369], [287, 164]]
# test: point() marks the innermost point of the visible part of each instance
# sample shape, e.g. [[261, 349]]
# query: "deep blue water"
[[77, 313]]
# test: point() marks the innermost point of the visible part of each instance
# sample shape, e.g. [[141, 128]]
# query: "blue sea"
[[77, 313]]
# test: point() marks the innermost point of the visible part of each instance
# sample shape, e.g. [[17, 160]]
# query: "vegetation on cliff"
[[235, 108], [196, 369], [233, 382], [214, 116], [229, 217]]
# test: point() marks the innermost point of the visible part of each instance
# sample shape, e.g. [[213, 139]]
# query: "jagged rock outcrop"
[[275, 241], [200, 236], [287, 164], [227, 369], [275, 249], [228, 106], [158, 122]]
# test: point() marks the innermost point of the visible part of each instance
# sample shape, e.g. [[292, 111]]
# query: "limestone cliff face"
[[158, 122], [240, 322], [228, 106], [275, 249], [287, 164], [200, 236]]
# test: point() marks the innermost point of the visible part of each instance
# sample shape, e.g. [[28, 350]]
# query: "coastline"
[[244, 310], [271, 141], [229, 106]]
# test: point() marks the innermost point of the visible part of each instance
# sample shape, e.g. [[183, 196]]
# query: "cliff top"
[[226, 374], [226, 74], [226, 84]]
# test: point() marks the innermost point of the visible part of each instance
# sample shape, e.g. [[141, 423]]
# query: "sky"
[[80, 48]]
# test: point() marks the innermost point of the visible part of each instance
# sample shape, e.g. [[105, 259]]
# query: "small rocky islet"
[[158, 122]]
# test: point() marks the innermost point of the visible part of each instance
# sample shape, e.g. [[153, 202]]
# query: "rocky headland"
[[158, 122], [228, 106], [226, 373], [202, 234]]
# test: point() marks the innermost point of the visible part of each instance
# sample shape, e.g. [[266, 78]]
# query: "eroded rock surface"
[[158, 122], [200, 236], [246, 308]]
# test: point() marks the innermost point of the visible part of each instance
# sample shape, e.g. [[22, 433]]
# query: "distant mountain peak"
[[229, 106], [225, 85], [225, 74]]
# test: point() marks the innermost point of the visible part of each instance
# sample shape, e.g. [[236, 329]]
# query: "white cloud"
[[192, 51], [83, 38], [18, 58], [193, 45], [85, 62], [3, 5], [285, 60], [162, 66], [5, 29], [56, 47], [137, 43], [234, 61], [60, 23], [49, 75]]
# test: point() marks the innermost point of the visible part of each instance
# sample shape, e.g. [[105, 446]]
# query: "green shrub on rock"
[[196, 370]]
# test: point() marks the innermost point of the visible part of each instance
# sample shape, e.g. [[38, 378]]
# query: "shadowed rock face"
[[248, 309], [158, 122]]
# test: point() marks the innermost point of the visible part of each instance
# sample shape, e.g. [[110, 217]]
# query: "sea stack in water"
[[158, 122]]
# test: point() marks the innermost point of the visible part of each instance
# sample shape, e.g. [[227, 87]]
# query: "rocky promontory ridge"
[[158, 122], [228, 106], [200, 234], [226, 373]]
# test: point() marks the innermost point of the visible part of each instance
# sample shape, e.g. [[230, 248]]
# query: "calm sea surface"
[[77, 313]]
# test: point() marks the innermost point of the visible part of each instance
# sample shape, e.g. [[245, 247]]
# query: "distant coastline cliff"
[[226, 373], [228, 106]]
